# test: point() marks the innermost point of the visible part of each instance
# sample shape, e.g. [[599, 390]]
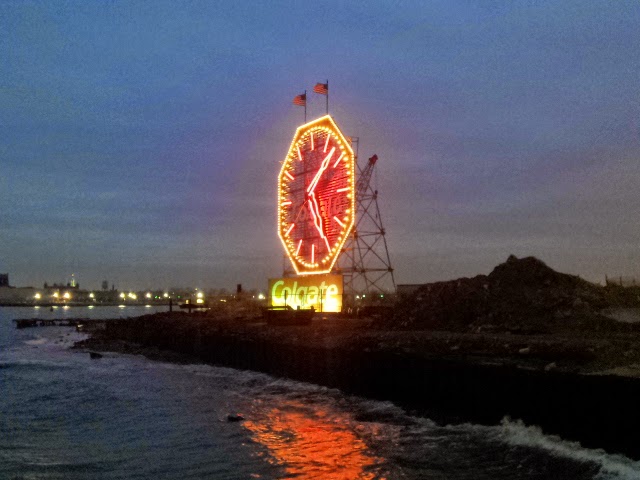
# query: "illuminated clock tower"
[[316, 196]]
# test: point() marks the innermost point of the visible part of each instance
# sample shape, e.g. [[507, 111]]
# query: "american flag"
[[321, 88], [300, 100]]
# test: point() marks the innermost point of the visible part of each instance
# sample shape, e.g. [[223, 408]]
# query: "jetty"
[[80, 324]]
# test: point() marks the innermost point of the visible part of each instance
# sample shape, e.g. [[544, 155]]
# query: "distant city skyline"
[[141, 141]]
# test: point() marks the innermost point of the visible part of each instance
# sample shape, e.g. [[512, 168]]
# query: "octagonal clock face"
[[316, 196]]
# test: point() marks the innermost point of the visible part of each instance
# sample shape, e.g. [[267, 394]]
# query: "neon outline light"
[[312, 145], [289, 175], [319, 196]]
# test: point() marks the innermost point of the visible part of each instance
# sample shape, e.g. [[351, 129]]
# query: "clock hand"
[[317, 218], [323, 167], [311, 198]]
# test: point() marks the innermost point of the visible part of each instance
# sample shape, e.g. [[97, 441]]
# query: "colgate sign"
[[322, 292]]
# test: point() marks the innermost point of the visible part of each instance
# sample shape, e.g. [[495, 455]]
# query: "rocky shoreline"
[[557, 382], [524, 341]]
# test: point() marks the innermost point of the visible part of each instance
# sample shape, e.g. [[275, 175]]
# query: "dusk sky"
[[141, 141]]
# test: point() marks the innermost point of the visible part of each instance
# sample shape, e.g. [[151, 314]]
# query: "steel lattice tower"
[[365, 262]]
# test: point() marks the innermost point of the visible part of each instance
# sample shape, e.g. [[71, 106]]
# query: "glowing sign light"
[[316, 197], [322, 292]]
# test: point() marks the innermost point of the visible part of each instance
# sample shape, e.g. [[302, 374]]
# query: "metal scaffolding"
[[365, 263]]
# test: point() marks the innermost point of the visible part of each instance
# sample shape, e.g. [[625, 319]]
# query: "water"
[[65, 416]]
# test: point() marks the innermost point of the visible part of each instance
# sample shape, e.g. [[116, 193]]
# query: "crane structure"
[[365, 263]]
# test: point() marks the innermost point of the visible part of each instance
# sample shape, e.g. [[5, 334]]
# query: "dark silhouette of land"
[[524, 341]]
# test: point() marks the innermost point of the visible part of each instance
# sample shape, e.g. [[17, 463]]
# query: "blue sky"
[[140, 141]]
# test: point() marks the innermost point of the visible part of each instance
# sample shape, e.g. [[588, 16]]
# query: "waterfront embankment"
[[565, 383]]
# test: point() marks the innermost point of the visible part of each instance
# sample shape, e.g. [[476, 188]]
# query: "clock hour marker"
[[290, 228], [315, 205]]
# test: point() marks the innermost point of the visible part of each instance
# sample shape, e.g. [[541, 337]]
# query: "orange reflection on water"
[[313, 446]]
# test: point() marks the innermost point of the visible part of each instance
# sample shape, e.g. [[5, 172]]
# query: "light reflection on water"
[[313, 445]]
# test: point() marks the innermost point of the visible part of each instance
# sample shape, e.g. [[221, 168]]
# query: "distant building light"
[[67, 295], [91, 295], [166, 295], [37, 296], [148, 295], [122, 295], [261, 296]]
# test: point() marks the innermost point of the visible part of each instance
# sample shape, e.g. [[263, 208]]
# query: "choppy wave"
[[143, 418], [513, 433], [611, 465]]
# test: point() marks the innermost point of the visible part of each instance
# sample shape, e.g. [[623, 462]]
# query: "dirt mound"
[[519, 294]]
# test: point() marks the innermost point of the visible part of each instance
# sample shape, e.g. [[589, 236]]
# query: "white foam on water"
[[515, 433], [612, 466]]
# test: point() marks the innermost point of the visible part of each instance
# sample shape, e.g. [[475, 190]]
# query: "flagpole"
[[305, 106], [327, 96]]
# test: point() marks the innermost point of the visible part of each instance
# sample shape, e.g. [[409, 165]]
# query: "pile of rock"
[[524, 295]]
